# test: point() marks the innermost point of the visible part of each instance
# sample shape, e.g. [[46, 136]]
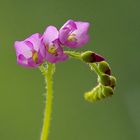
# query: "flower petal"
[[22, 48], [34, 40], [66, 30], [58, 56], [30, 52], [63, 35], [81, 33], [70, 24], [50, 34]]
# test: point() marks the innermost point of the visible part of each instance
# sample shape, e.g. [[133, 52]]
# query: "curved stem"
[[95, 68], [73, 54], [48, 73], [77, 55]]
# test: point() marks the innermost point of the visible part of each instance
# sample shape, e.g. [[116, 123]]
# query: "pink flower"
[[54, 50], [74, 34], [30, 52]]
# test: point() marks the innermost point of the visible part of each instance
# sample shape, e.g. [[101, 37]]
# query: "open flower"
[[30, 52], [74, 34], [54, 51]]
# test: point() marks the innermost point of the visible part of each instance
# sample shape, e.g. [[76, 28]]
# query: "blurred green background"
[[115, 33]]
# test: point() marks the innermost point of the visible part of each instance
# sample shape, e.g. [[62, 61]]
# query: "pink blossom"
[[74, 34], [54, 50], [30, 52]]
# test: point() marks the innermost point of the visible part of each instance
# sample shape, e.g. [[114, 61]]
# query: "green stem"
[[73, 54], [95, 68], [48, 73], [77, 55]]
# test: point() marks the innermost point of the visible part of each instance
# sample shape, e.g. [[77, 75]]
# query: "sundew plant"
[[44, 51]]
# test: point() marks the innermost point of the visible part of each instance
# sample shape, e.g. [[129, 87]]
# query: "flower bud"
[[89, 96], [104, 67], [104, 79], [91, 57], [92, 95], [98, 93], [112, 81], [107, 91]]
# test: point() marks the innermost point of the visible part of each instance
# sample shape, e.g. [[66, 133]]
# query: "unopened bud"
[[112, 81], [107, 91], [92, 95], [98, 93], [104, 79], [91, 57], [104, 67]]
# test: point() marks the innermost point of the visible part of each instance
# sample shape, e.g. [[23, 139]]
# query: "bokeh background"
[[115, 33]]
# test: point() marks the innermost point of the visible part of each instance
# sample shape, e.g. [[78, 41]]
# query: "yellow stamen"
[[35, 57], [72, 37], [52, 50]]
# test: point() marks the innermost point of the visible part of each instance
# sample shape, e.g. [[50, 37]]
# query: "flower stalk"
[[48, 73], [74, 54], [94, 67]]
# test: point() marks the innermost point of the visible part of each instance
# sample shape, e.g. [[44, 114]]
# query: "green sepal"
[[104, 79], [112, 82], [107, 91], [87, 56], [104, 67]]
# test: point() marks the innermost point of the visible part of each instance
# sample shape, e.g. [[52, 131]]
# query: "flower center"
[[52, 50], [72, 37], [35, 57]]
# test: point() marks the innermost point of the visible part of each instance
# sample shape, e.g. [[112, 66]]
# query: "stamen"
[[35, 57], [52, 50], [72, 37]]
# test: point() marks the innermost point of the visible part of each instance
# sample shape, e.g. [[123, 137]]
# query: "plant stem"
[[73, 54], [95, 68], [48, 73], [77, 55]]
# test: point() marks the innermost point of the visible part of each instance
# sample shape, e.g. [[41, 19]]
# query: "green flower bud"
[[107, 91], [104, 79], [98, 93], [92, 95], [88, 96], [104, 67], [112, 81], [91, 57]]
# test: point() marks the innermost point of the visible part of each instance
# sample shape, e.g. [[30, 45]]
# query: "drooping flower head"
[[54, 51], [74, 34], [30, 52]]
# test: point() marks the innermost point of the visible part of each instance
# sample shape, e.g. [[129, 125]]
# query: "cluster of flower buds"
[[106, 78], [106, 82], [37, 48]]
